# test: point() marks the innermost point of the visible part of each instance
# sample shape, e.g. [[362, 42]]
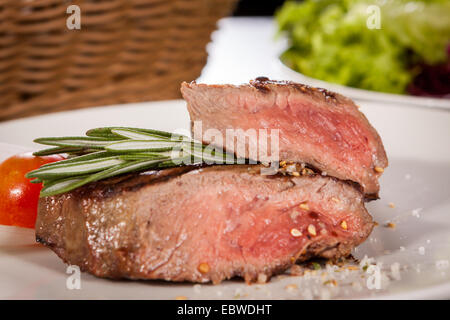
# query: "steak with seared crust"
[[317, 127], [202, 224]]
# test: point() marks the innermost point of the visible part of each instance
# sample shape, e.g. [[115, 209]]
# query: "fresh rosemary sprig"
[[111, 151]]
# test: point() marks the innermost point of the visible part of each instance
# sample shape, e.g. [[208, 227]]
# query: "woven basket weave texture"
[[125, 51]]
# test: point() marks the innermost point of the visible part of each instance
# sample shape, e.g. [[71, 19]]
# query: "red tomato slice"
[[18, 197]]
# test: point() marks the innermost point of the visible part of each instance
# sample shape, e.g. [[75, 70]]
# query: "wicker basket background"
[[126, 51]]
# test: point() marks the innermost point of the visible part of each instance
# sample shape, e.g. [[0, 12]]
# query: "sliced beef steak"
[[318, 127], [202, 224]]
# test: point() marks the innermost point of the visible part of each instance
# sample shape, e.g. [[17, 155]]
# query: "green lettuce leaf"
[[330, 40]]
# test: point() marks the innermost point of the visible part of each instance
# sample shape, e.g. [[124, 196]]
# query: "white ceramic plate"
[[260, 57], [417, 182], [361, 94]]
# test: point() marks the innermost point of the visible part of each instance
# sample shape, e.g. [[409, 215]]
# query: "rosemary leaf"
[[141, 157], [209, 156], [60, 186], [137, 135], [142, 145], [152, 155], [90, 156], [107, 131], [57, 150], [65, 185], [75, 168], [111, 151], [81, 142], [134, 166]]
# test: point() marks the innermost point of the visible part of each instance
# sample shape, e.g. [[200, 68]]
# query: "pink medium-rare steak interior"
[[202, 224], [318, 127]]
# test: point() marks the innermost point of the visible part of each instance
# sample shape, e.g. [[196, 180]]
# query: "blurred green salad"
[[338, 41]]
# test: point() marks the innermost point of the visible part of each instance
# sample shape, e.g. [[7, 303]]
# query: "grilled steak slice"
[[202, 224], [318, 127]]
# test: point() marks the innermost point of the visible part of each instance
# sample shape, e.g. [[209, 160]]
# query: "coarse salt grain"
[[262, 278], [416, 212], [395, 271], [417, 268], [366, 261], [442, 264], [291, 168], [421, 251]]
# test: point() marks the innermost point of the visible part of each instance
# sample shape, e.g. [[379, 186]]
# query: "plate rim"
[[366, 95]]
